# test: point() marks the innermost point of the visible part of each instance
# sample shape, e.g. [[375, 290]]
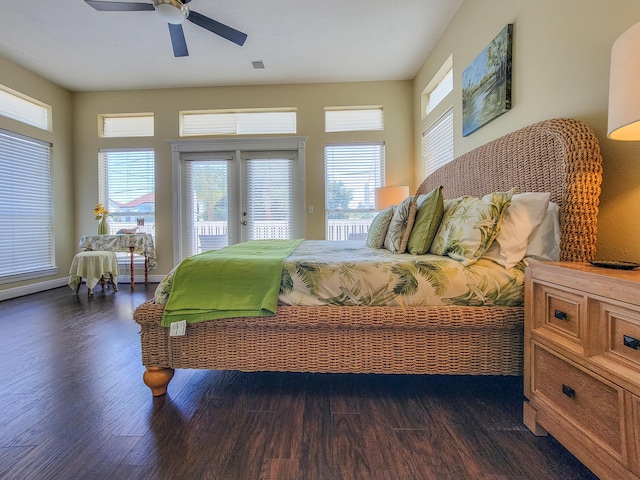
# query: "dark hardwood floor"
[[73, 406]]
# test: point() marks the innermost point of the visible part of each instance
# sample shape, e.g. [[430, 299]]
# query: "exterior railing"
[[337, 229]]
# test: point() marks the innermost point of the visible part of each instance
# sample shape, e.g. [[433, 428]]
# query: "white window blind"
[[352, 174], [437, 143], [237, 122], [441, 90], [126, 187], [355, 119], [115, 126], [440, 85], [24, 109], [268, 191], [26, 208]]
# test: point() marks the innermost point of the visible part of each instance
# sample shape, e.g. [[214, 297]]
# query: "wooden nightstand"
[[582, 363]]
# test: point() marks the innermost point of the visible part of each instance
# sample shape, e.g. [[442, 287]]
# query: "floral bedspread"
[[322, 272]]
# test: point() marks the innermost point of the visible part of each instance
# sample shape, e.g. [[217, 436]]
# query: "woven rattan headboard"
[[561, 156]]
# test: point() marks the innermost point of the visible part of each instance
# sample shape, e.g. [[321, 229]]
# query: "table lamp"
[[387, 196], [624, 87]]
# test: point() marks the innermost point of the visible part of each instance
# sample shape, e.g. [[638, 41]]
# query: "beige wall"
[[561, 52], [309, 99], [21, 80]]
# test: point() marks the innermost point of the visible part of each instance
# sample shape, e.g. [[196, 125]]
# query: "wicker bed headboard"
[[561, 156]]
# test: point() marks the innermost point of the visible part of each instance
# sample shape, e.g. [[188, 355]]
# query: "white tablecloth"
[[91, 265], [142, 244]]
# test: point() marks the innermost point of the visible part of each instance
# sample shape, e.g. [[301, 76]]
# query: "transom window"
[[126, 125], [24, 109], [351, 119], [438, 88], [238, 122]]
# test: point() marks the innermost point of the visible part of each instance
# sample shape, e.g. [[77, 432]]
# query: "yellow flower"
[[99, 211]]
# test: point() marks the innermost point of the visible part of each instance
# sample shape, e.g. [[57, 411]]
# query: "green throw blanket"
[[241, 280]]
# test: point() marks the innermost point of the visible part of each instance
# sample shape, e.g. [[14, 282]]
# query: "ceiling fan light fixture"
[[172, 11]]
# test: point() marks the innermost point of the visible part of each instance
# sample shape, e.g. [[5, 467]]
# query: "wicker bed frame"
[[560, 156]]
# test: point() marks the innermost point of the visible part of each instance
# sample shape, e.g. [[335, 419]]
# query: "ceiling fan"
[[174, 12]]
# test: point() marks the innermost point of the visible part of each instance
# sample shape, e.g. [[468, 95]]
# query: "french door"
[[227, 197], [268, 192]]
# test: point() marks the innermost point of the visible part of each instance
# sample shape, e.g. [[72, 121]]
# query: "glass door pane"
[[210, 193], [268, 193]]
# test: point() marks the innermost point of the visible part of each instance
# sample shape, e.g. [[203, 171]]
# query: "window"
[[126, 125], [438, 88], [238, 122], [126, 187], [26, 208], [24, 109], [350, 119], [437, 143], [352, 174]]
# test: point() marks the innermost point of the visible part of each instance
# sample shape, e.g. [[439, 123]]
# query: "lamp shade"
[[624, 87], [386, 196]]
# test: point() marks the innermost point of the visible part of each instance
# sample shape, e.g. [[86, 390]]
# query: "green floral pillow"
[[470, 225], [428, 218], [379, 227], [400, 226]]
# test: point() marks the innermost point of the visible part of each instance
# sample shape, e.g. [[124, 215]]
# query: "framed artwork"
[[486, 83]]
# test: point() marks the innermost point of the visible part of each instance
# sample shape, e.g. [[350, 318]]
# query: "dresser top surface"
[[613, 283]]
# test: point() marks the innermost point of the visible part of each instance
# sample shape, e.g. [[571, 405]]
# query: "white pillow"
[[522, 217], [544, 242]]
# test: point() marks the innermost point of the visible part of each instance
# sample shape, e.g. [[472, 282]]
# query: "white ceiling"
[[299, 41]]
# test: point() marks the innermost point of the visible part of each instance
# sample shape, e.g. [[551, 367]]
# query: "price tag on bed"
[[178, 329]]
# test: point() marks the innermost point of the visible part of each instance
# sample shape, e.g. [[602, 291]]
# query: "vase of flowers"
[[102, 215]]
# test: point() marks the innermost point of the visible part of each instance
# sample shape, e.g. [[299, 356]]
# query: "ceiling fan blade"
[[218, 28], [119, 6], [177, 40]]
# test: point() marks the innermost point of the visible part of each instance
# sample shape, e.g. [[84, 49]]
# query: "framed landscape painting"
[[486, 83]]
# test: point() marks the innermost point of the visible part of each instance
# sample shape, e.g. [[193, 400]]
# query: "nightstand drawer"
[[593, 405], [559, 312], [625, 335], [615, 337]]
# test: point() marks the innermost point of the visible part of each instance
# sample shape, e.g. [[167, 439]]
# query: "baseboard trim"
[[23, 290], [32, 288]]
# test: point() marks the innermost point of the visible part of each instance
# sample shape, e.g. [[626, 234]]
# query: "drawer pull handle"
[[560, 315], [631, 342], [568, 391]]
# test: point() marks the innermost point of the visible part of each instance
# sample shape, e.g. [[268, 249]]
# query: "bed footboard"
[[328, 339]]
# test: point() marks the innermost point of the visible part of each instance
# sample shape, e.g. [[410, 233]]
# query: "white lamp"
[[624, 87], [386, 196], [171, 11]]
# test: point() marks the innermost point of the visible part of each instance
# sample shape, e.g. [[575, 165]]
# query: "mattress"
[[348, 273]]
